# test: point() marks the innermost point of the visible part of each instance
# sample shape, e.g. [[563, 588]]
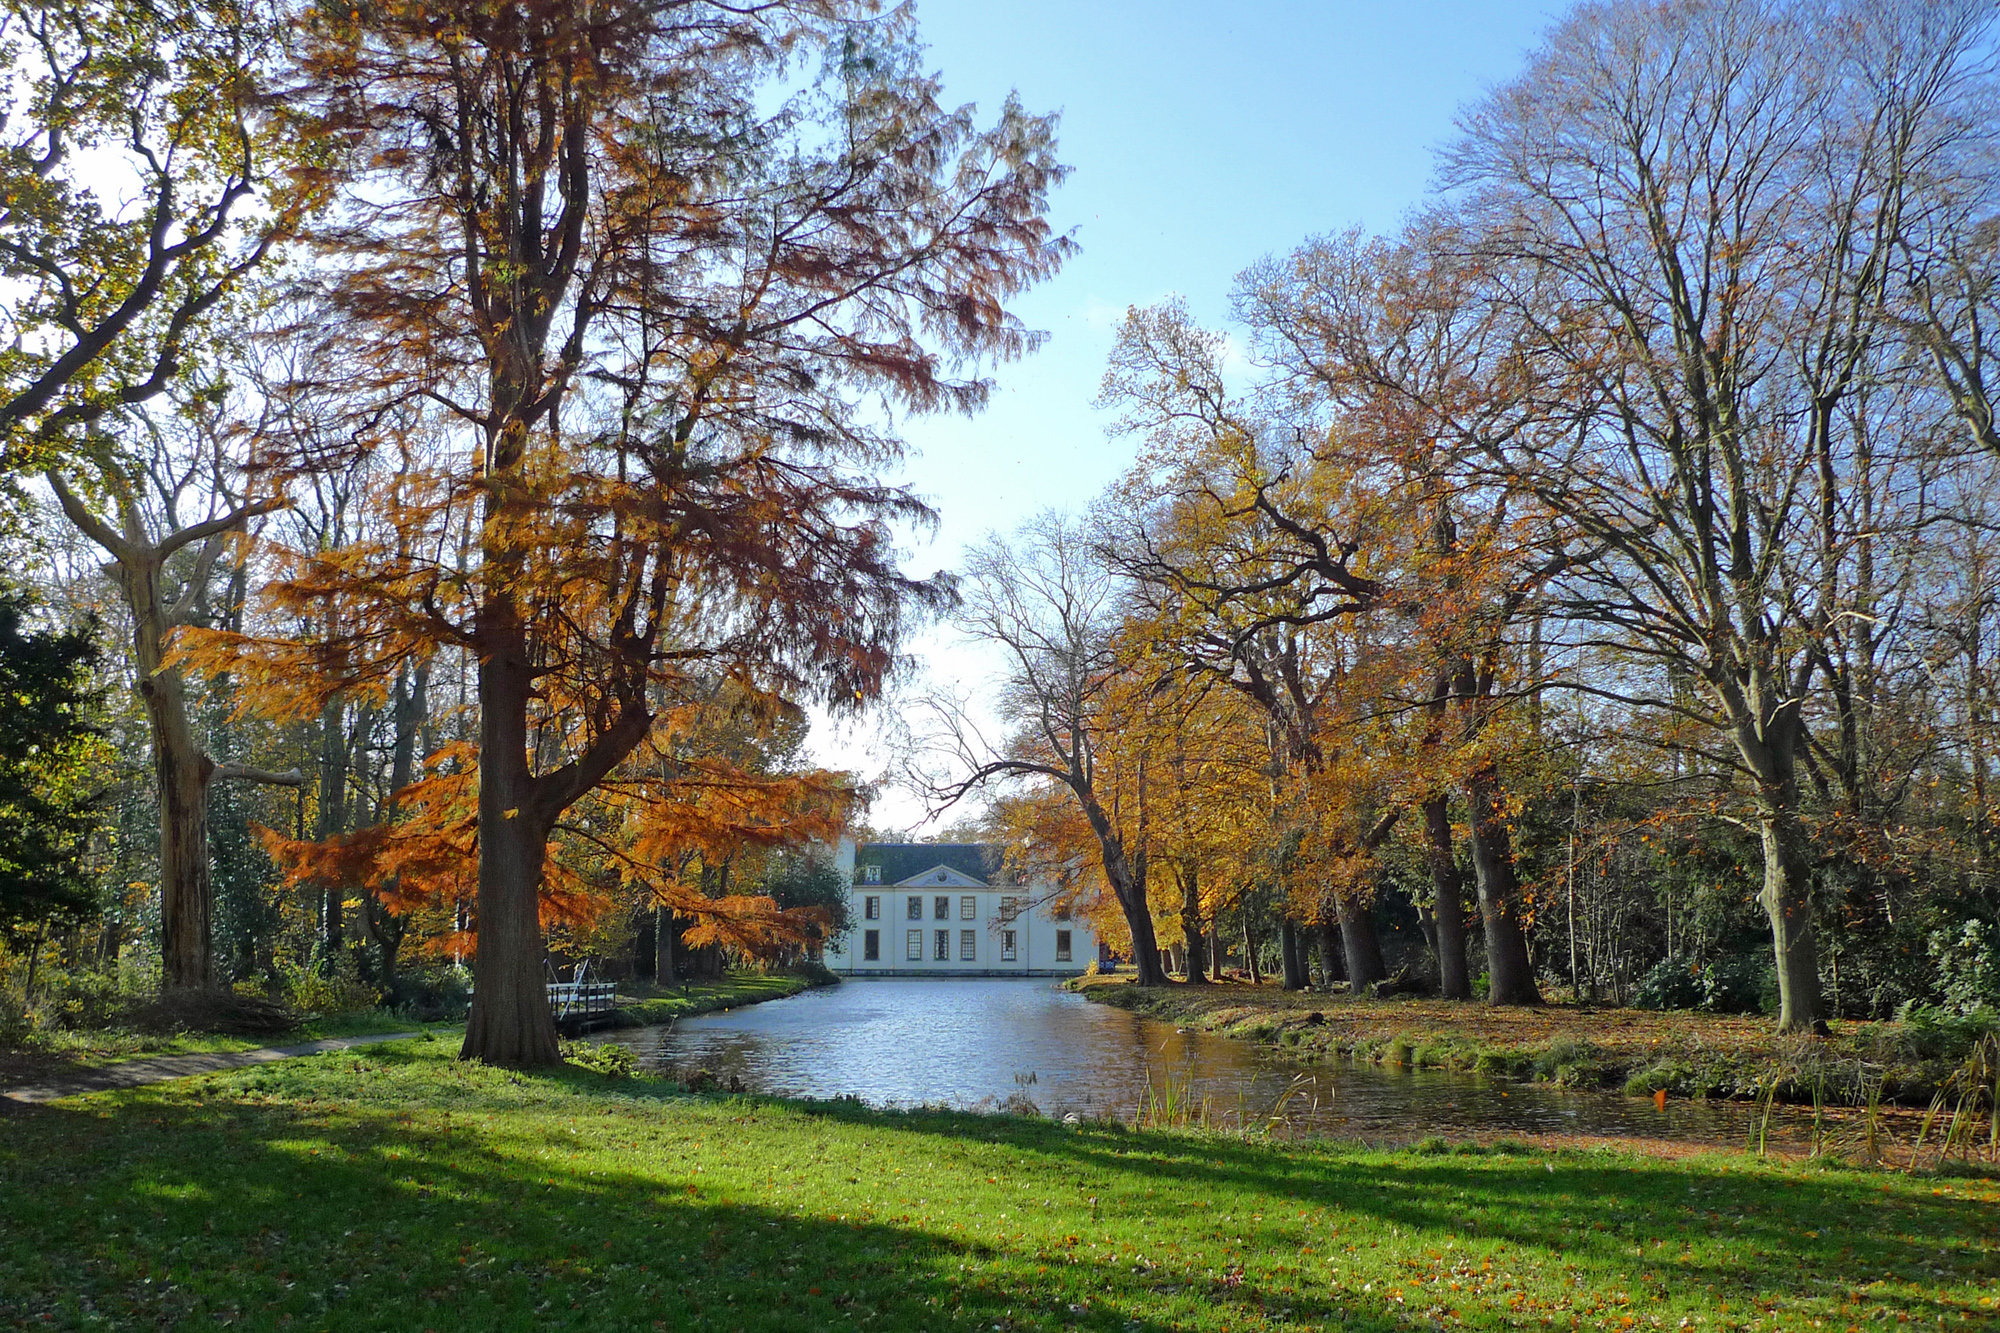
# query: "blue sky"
[[1201, 137]]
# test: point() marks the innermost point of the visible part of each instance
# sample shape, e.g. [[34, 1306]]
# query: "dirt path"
[[158, 1069]]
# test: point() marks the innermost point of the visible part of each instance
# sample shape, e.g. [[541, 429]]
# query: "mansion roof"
[[901, 861]]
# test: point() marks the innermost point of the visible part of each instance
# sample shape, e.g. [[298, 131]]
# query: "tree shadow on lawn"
[[1798, 1232], [197, 1205]]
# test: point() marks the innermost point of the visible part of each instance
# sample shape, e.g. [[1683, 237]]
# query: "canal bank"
[[1636, 1052], [667, 1004]]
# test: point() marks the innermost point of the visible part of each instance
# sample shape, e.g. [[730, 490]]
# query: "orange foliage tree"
[[593, 305]]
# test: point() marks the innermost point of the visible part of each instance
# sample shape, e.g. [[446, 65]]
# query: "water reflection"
[[987, 1043]]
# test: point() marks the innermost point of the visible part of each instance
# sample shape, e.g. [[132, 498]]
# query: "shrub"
[[1967, 958], [819, 973], [1740, 983], [1732, 984], [1672, 983], [342, 992], [603, 1057], [1940, 1034], [434, 995]]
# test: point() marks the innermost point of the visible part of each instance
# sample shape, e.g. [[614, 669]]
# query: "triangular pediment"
[[940, 877]]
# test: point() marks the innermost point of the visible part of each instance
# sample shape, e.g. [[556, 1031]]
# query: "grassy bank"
[[1686, 1054], [57, 1051], [53, 1052], [399, 1188], [640, 1006]]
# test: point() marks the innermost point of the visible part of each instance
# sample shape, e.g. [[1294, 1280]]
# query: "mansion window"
[[941, 908], [916, 912], [968, 908], [871, 874], [871, 946], [1062, 946], [1006, 946], [1010, 907], [968, 946], [871, 908], [914, 948], [942, 953]]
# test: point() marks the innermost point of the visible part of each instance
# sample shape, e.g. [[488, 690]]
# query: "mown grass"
[[59, 1051], [642, 1006], [86, 1048], [1639, 1051], [397, 1187]]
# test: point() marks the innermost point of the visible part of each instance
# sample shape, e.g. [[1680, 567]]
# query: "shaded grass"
[[1638, 1051], [399, 1188]]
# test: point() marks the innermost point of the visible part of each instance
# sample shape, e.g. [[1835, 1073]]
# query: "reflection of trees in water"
[[964, 1044]]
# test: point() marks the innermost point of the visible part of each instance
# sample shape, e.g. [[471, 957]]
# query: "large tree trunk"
[[1447, 903], [1330, 952], [1510, 971], [666, 948], [1191, 930], [511, 1023], [1787, 899], [180, 774], [1363, 949], [1215, 946], [333, 756], [1292, 955], [1128, 886]]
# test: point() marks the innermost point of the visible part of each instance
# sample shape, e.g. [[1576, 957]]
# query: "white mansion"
[[948, 910]]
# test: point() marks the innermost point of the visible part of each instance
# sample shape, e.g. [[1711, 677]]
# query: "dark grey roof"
[[900, 860]]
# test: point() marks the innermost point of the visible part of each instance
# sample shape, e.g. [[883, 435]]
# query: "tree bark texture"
[[1787, 899], [1191, 928], [1293, 956], [511, 1023], [1330, 952], [1510, 971], [1359, 942], [1447, 903]]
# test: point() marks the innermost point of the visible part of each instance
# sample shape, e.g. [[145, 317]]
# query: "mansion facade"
[[949, 910]]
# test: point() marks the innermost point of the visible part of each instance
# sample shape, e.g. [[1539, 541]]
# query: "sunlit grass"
[[397, 1187]]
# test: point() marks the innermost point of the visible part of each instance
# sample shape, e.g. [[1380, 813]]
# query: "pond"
[[1007, 1043]]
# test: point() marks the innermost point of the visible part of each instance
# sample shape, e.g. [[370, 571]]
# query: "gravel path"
[[158, 1069]]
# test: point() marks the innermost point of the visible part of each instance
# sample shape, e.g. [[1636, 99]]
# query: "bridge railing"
[[582, 999]]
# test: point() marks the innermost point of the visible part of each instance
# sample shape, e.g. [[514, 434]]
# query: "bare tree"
[[1052, 609], [1686, 217]]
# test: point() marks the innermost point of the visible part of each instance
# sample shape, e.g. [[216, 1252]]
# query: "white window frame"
[[915, 911], [941, 950], [1007, 946], [1010, 907], [871, 874], [1062, 946], [941, 907], [913, 947], [968, 946], [871, 907], [968, 907], [871, 946]]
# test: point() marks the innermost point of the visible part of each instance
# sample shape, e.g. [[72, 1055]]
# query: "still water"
[[983, 1043]]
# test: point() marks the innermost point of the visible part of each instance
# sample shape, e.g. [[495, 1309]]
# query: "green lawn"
[[642, 1005], [395, 1187], [91, 1047]]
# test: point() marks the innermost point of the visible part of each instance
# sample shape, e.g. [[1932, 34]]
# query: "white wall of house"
[[943, 922]]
